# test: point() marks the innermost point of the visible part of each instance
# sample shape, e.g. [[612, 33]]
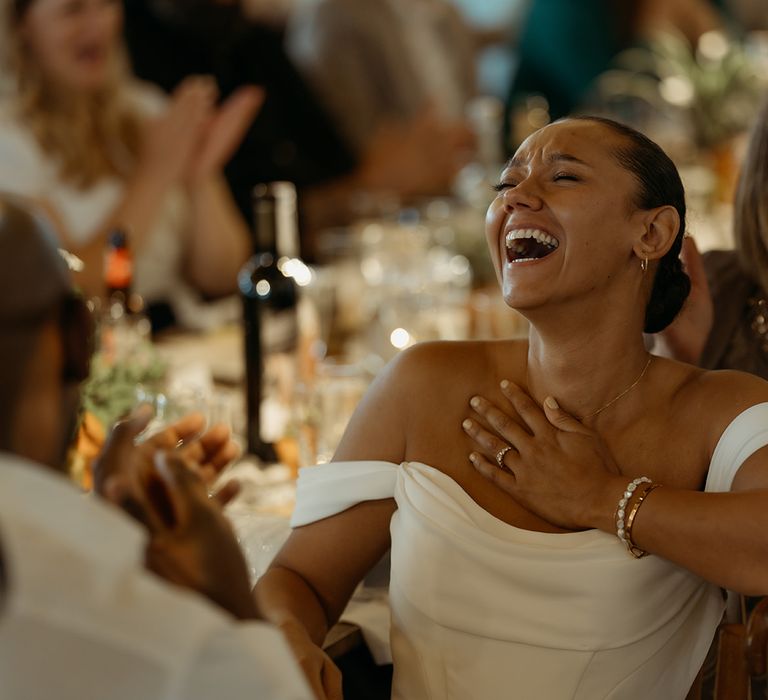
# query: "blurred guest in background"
[[77, 600], [379, 61], [565, 46], [101, 151], [271, 12], [293, 138], [724, 324]]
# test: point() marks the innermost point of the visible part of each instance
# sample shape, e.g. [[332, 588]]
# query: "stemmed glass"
[[171, 406]]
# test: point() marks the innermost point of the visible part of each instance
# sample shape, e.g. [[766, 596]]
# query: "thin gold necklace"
[[623, 393]]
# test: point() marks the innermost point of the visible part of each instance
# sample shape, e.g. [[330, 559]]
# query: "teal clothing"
[[564, 46]]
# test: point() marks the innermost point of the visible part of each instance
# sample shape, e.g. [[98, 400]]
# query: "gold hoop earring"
[[644, 265]]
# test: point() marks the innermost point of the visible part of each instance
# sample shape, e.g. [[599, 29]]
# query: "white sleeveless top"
[[483, 610]]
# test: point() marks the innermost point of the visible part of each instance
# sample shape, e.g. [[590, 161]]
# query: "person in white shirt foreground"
[[81, 616], [518, 531]]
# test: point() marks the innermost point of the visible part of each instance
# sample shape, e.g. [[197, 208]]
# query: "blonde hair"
[[751, 205], [91, 137]]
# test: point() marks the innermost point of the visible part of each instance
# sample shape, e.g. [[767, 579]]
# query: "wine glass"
[[171, 406]]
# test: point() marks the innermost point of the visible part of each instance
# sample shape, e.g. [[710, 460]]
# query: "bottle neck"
[[265, 226], [287, 238], [275, 220]]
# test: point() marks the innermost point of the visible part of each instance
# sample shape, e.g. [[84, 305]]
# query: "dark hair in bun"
[[659, 185]]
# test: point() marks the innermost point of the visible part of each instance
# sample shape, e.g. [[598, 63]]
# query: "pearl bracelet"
[[621, 510]]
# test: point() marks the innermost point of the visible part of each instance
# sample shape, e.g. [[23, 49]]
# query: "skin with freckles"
[[439, 403]]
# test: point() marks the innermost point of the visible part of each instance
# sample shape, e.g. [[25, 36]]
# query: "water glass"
[[325, 407]]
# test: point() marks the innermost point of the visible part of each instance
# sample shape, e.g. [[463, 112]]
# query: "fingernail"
[[504, 384], [550, 402], [467, 424], [474, 402], [473, 458]]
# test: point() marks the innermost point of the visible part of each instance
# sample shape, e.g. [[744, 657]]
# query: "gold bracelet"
[[634, 550], [621, 509]]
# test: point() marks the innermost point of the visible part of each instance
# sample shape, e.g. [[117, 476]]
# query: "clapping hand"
[[224, 132], [191, 542], [193, 139], [164, 487], [207, 454], [556, 467], [172, 140]]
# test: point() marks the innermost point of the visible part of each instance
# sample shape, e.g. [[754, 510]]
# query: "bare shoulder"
[[444, 360], [416, 371], [712, 399], [418, 382], [443, 371]]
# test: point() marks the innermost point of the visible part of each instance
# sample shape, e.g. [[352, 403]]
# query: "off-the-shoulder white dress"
[[482, 610]]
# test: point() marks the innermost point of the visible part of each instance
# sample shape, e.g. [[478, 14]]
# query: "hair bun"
[[671, 287]]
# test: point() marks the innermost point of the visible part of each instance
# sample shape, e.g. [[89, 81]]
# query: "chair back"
[[741, 658]]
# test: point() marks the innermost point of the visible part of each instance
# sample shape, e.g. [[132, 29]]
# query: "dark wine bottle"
[[270, 307]]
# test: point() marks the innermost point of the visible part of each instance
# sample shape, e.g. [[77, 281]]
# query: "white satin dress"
[[483, 610]]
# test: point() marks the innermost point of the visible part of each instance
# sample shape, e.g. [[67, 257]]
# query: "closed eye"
[[500, 187], [565, 176]]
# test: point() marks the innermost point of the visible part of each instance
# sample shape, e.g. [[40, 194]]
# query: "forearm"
[[219, 238], [286, 600], [722, 537]]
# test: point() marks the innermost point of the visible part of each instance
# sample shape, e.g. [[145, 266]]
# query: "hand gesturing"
[[224, 131], [164, 487], [193, 139]]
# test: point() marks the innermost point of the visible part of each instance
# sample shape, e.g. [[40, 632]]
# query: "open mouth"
[[92, 54], [525, 245]]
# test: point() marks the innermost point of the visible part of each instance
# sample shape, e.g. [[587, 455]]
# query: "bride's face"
[[563, 222]]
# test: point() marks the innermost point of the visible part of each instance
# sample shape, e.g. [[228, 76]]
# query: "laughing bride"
[[520, 484]]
